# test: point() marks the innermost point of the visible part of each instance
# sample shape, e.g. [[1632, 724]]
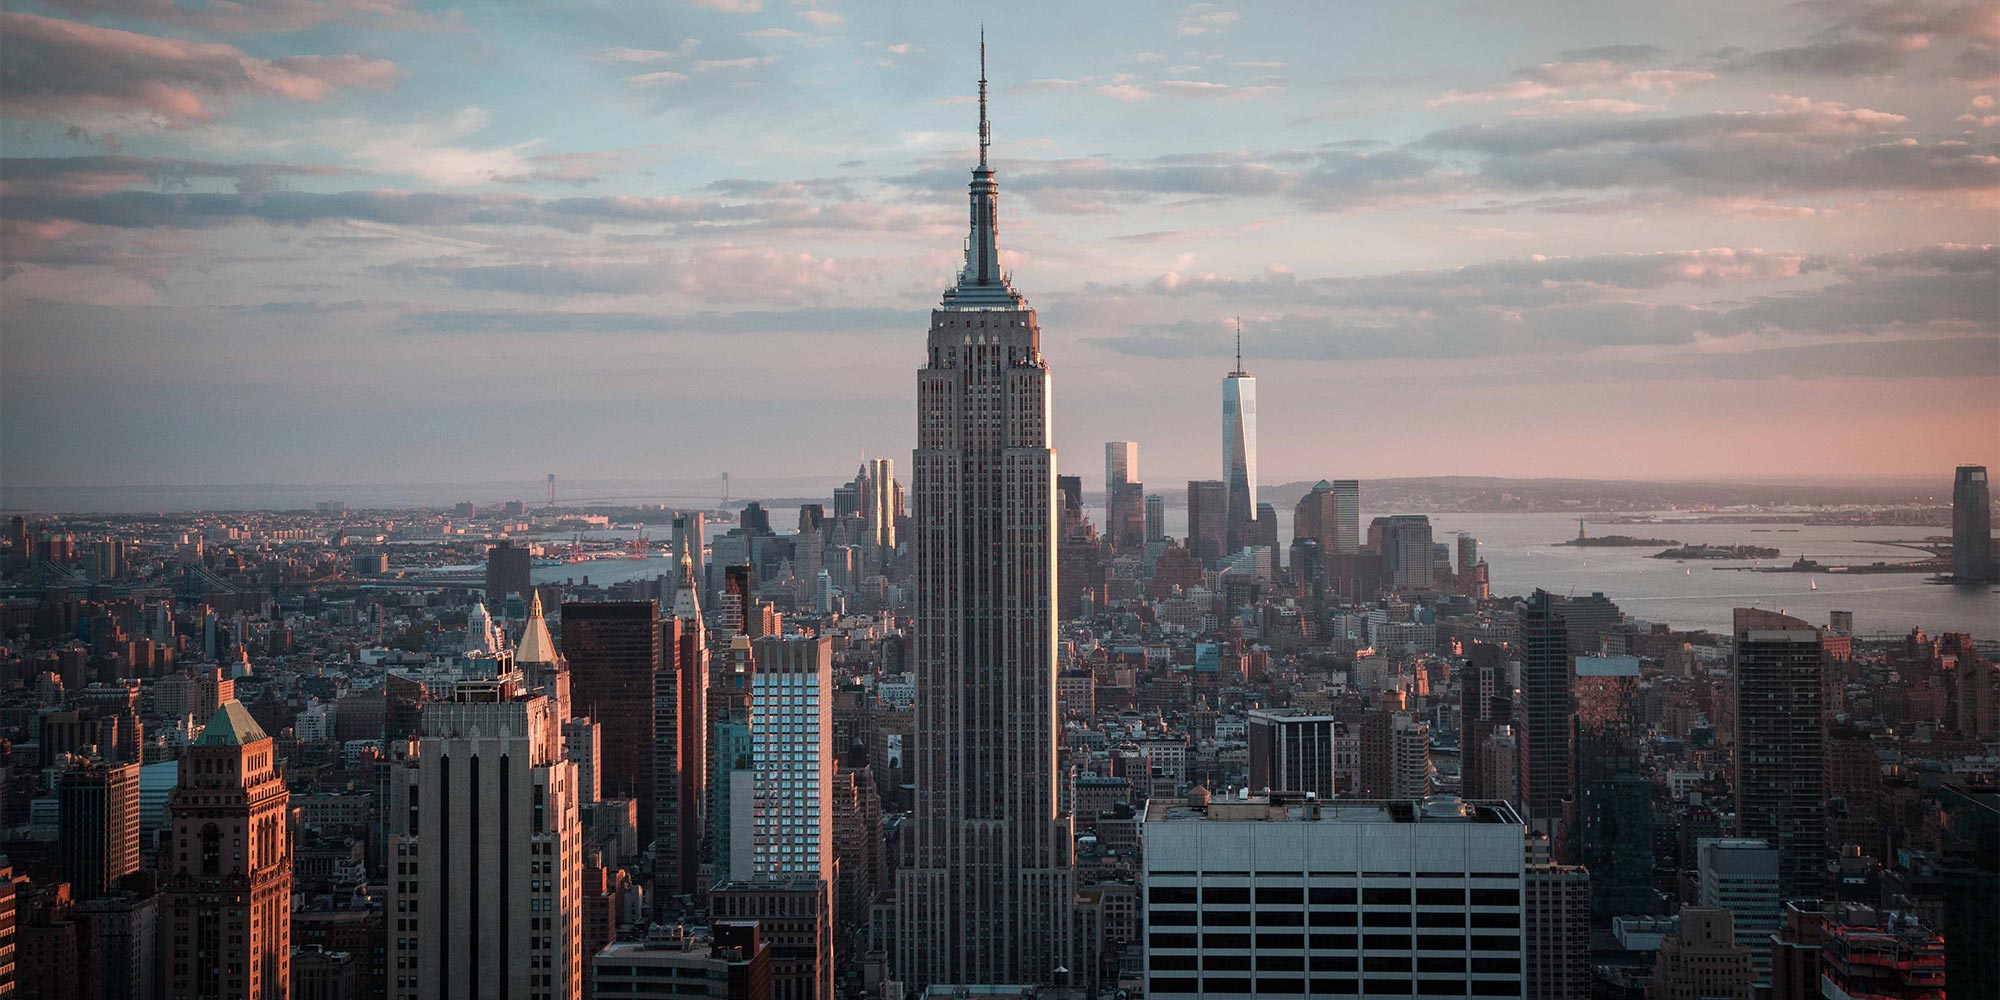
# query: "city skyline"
[[1655, 243]]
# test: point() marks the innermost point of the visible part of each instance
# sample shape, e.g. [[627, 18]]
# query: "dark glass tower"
[[987, 894], [1971, 524], [1548, 712], [1780, 753]]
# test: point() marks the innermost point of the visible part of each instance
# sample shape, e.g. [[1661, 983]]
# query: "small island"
[[1619, 542], [1718, 552]]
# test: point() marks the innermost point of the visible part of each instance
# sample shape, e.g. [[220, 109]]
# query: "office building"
[[485, 852], [1409, 757], [730, 962], [987, 893], [1156, 518], [1780, 754], [1556, 932], [1208, 519], [795, 918], [1970, 872], [1741, 876], [1406, 552], [226, 874], [1127, 528], [541, 665], [682, 722], [615, 657], [1239, 453], [1486, 701], [97, 806], [1701, 960], [1971, 524], [507, 572], [1262, 895], [1546, 722], [1292, 751], [731, 792], [1121, 467]]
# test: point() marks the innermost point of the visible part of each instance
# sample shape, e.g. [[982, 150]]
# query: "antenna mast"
[[985, 131], [1239, 345]]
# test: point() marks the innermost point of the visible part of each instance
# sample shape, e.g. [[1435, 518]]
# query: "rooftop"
[[1280, 807], [232, 726]]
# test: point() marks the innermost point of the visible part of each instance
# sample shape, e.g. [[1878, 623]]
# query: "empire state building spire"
[[981, 283]]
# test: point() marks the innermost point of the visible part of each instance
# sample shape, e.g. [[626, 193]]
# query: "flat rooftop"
[[1283, 808]]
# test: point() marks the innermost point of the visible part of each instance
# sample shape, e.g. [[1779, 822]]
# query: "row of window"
[[1331, 918], [1333, 986], [1210, 940], [1283, 895], [1436, 964]]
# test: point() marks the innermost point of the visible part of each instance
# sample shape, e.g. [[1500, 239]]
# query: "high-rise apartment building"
[[1273, 895], [226, 874], [97, 809], [1780, 752], [485, 852], [1741, 876], [1556, 932], [615, 655], [987, 894], [783, 869], [791, 747], [1971, 524], [1546, 714], [1239, 453], [1208, 519]]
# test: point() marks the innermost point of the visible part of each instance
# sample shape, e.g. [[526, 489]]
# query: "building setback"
[[987, 896]]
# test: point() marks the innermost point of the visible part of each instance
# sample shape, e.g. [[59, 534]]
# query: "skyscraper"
[[1406, 552], [614, 654], [1780, 753], [1346, 517], [687, 779], [507, 572], [1156, 518], [97, 808], [1239, 451], [1547, 713], [227, 871], [485, 851], [986, 897], [1208, 519], [1971, 524], [1121, 466]]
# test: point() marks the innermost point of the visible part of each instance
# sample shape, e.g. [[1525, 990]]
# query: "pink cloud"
[[63, 68]]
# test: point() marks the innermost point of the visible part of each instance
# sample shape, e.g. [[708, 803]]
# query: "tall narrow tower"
[[227, 875], [1239, 451], [986, 896]]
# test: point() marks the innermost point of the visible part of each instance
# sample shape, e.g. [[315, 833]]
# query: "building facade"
[[1780, 754], [226, 876], [485, 852], [1263, 895], [987, 894]]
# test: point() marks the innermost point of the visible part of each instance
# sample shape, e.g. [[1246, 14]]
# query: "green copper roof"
[[231, 727]]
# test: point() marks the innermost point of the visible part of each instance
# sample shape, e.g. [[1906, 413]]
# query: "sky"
[[377, 241]]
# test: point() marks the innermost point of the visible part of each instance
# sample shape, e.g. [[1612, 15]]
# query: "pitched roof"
[[232, 726], [535, 645]]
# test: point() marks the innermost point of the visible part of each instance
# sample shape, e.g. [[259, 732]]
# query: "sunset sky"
[[368, 242]]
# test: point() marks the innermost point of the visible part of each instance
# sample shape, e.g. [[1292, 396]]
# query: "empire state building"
[[987, 897]]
